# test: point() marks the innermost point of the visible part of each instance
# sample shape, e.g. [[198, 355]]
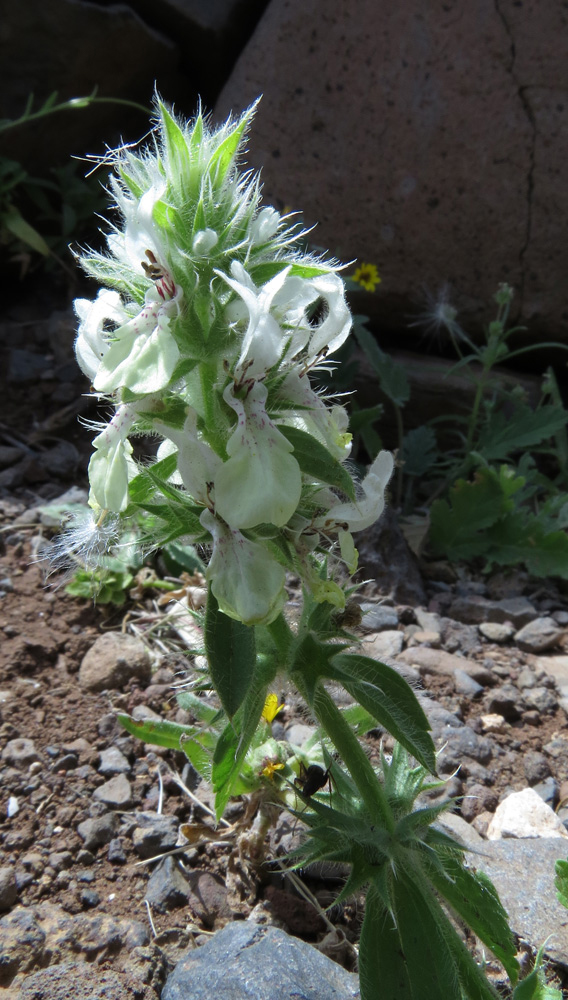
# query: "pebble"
[[113, 659], [276, 965], [8, 887], [497, 631], [548, 791], [464, 684], [167, 886], [478, 799], [434, 661], [377, 617], [539, 635], [524, 814], [90, 898], [116, 854], [299, 733], [154, 834], [98, 830], [383, 645], [505, 701], [116, 793], [113, 761], [541, 698], [20, 752], [536, 767], [474, 610]]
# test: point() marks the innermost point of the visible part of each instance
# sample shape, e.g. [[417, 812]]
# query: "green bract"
[[209, 323]]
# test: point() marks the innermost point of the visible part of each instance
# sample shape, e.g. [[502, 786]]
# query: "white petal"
[[91, 344], [369, 507], [198, 464], [247, 582], [261, 481]]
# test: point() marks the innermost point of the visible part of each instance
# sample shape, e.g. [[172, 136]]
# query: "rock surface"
[[393, 142], [525, 814], [274, 965], [112, 660]]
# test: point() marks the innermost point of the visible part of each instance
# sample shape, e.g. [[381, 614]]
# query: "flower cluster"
[[205, 333]]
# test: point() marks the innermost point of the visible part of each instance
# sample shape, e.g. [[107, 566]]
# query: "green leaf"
[[431, 970], [508, 433], [561, 882], [315, 460], [387, 696], [522, 538], [474, 897], [392, 377], [359, 419], [142, 487], [225, 153], [534, 986], [381, 959], [17, 225], [455, 531], [419, 451], [176, 145], [182, 558], [231, 655]]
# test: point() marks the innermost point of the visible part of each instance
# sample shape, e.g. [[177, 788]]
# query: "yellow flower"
[[367, 276], [271, 708], [270, 766]]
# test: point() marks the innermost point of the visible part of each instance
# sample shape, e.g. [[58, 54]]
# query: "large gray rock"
[[413, 135], [245, 961], [523, 874]]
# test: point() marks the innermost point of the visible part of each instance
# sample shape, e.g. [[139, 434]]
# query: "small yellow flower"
[[367, 276], [271, 707], [270, 766]]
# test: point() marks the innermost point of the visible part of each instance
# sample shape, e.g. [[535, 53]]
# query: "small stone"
[[497, 631], [536, 767], [116, 793], [113, 659], [526, 679], [113, 761], [548, 791], [505, 701], [8, 887], [474, 610], [20, 752], [425, 638], [60, 860], [141, 712], [464, 684], [383, 645], [429, 621], [481, 823], [542, 699], [154, 834], [494, 723], [66, 763], [90, 898], [98, 830], [116, 854], [478, 799], [531, 717], [207, 897], [538, 635], [377, 617], [299, 733], [560, 617], [167, 887], [438, 661], [524, 814]]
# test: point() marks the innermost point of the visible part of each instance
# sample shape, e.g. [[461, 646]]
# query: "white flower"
[[198, 465], [204, 241], [362, 514], [329, 424], [278, 316], [143, 354], [265, 225], [91, 344], [140, 230], [111, 463], [261, 481], [246, 581]]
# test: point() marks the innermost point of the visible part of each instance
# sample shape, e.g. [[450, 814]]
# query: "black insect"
[[311, 779]]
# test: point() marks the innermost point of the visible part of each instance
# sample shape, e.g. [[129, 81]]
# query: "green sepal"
[[231, 654], [315, 460]]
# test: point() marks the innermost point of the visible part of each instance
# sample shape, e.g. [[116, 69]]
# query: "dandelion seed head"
[[88, 537]]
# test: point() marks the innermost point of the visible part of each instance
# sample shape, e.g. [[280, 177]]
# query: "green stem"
[[353, 755], [475, 411], [400, 435]]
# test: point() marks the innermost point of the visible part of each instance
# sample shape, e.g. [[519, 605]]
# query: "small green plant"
[[60, 205], [210, 325]]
